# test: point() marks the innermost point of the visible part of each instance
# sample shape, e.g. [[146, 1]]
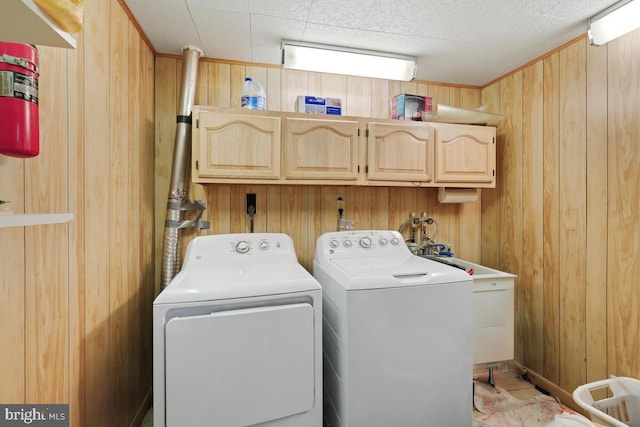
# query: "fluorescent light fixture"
[[342, 60], [613, 22]]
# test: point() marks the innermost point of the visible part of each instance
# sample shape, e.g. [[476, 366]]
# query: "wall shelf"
[[22, 220], [22, 21]]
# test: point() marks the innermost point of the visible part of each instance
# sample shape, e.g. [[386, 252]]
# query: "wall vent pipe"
[[181, 152]]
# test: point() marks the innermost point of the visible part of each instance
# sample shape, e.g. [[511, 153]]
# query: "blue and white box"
[[316, 105]]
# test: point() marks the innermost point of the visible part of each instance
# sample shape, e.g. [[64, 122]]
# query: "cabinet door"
[[465, 154], [320, 149], [400, 152], [236, 146]]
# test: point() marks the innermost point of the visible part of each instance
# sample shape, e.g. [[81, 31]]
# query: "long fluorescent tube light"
[[353, 62], [613, 22]]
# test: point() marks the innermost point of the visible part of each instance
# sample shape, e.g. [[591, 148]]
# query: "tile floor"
[[507, 378]]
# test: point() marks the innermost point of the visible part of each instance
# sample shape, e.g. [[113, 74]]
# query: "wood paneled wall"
[[305, 212], [564, 215], [75, 299]]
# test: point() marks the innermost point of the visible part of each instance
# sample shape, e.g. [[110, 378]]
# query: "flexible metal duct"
[[181, 151]]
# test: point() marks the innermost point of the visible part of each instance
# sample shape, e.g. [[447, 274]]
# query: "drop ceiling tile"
[[290, 9], [578, 10], [263, 54], [269, 30], [241, 6], [340, 13], [348, 37], [450, 62], [222, 27], [515, 28], [168, 31], [456, 41], [447, 20], [238, 51], [173, 44], [536, 7]]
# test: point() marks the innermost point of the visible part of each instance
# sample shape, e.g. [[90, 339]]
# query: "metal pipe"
[[181, 150]]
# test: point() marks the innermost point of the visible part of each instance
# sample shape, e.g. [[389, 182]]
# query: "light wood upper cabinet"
[[251, 147], [320, 149], [401, 151], [235, 146], [465, 154]]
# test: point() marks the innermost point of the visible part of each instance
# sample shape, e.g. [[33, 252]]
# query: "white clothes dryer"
[[397, 334], [237, 337]]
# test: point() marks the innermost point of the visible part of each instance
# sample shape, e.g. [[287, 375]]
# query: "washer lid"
[[373, 272], [237, 281]]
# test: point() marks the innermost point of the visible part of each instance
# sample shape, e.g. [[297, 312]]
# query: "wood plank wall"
[[564, 215], [305, 212], [75, 299]]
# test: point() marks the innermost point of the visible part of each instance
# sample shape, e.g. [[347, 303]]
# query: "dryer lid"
[[237, 281]]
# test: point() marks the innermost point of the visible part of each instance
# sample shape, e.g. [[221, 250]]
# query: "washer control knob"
[[395, 241], [264, 245], [242, 247], [334, 243], [365, 242], [383, 241], [347, 243]]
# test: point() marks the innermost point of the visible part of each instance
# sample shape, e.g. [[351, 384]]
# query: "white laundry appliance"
[[237, 337], [397, 334]]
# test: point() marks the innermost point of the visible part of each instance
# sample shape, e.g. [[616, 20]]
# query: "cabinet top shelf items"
[[21, 21]]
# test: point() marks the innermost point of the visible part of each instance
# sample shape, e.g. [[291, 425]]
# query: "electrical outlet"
[[251, 202], [345, 224]]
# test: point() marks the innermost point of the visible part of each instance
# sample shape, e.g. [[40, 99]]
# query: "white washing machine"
[[237, 337], [397, 334]]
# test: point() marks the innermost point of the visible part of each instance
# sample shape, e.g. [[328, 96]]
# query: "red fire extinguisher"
[[19, 121]]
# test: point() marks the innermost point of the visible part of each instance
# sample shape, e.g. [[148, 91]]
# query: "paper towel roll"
[[457, 195]]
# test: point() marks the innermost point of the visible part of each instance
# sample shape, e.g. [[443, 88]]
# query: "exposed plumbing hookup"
[[181, 152], [421, 241]]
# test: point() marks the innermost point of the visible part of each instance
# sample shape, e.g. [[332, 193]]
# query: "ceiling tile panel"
[[340, 13], [456, 41], [359, 39], [268, 30], [443, 20], [266, 54], [241, 6], [238, 51], [578, 10], [222, 27], [290, 9], [168, 30]]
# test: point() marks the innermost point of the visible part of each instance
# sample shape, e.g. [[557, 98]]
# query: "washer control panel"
[[366, 242]]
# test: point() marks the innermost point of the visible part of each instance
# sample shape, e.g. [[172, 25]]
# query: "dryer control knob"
[[365, 242], [242, 247], [264, 245], [383, 241], [334, 243], [347, 243], [395, 241]]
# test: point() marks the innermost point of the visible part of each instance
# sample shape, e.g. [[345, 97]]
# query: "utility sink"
[[493, 305], [476, 270]]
